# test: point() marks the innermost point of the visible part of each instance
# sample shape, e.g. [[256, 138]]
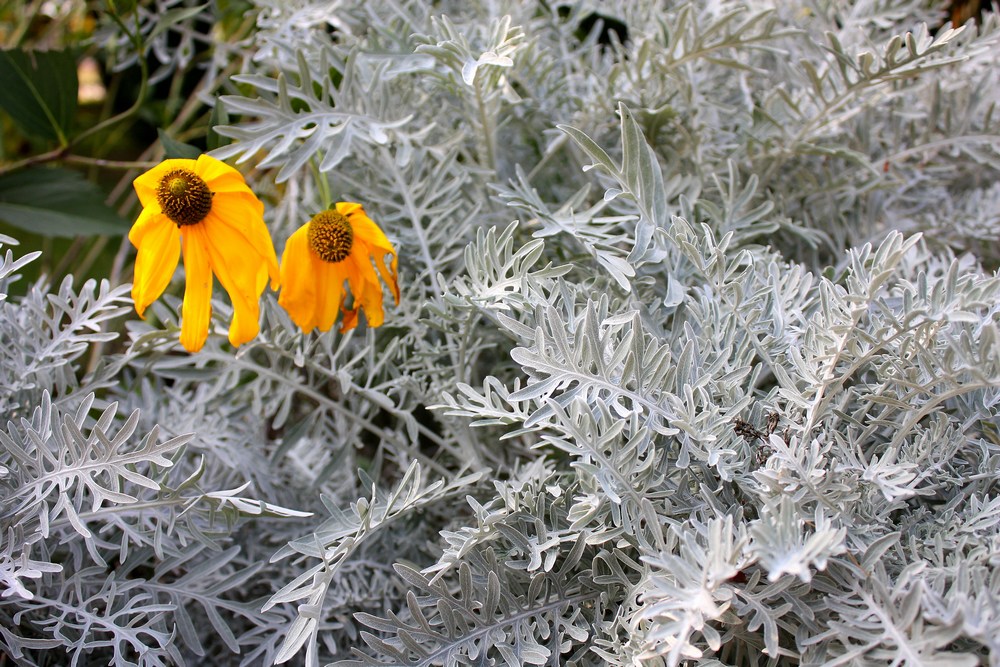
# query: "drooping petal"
[[242, 214], [299, 279], [363, 226], [237, 265], [350, 320], [197, 309], [389, 275], [149, 218], [365, 287], [378, 245], [158, 241], [146, 184], [329, 292]]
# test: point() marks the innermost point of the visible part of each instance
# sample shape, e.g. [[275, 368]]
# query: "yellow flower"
[[336, 245], [204, 206]]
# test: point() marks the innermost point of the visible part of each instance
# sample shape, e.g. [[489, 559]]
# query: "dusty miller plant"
[[697, 359]]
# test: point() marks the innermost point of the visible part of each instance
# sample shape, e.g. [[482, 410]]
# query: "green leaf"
[[39, 91], [56, 202], [177, 149]]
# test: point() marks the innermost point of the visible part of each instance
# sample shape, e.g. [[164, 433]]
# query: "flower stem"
[[322, 182]]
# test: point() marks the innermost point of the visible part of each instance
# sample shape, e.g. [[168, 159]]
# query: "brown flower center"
[[184, 197], [330, 235]]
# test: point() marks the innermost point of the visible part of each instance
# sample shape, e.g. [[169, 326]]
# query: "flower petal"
[[350, 320], [365, 287], [298, 280], [242, 214], [220, 177], [378, 245], [240, 270], [389, 275], [347, 208], [158, 241], [197, 309], [329, 292], [363, 226], [146, 184], [149, 218]]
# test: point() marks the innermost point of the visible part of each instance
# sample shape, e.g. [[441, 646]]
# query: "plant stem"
[[484, 120], [109, 164], [322, 182]]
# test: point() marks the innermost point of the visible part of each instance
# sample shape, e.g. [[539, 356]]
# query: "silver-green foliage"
[[697, 359]]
